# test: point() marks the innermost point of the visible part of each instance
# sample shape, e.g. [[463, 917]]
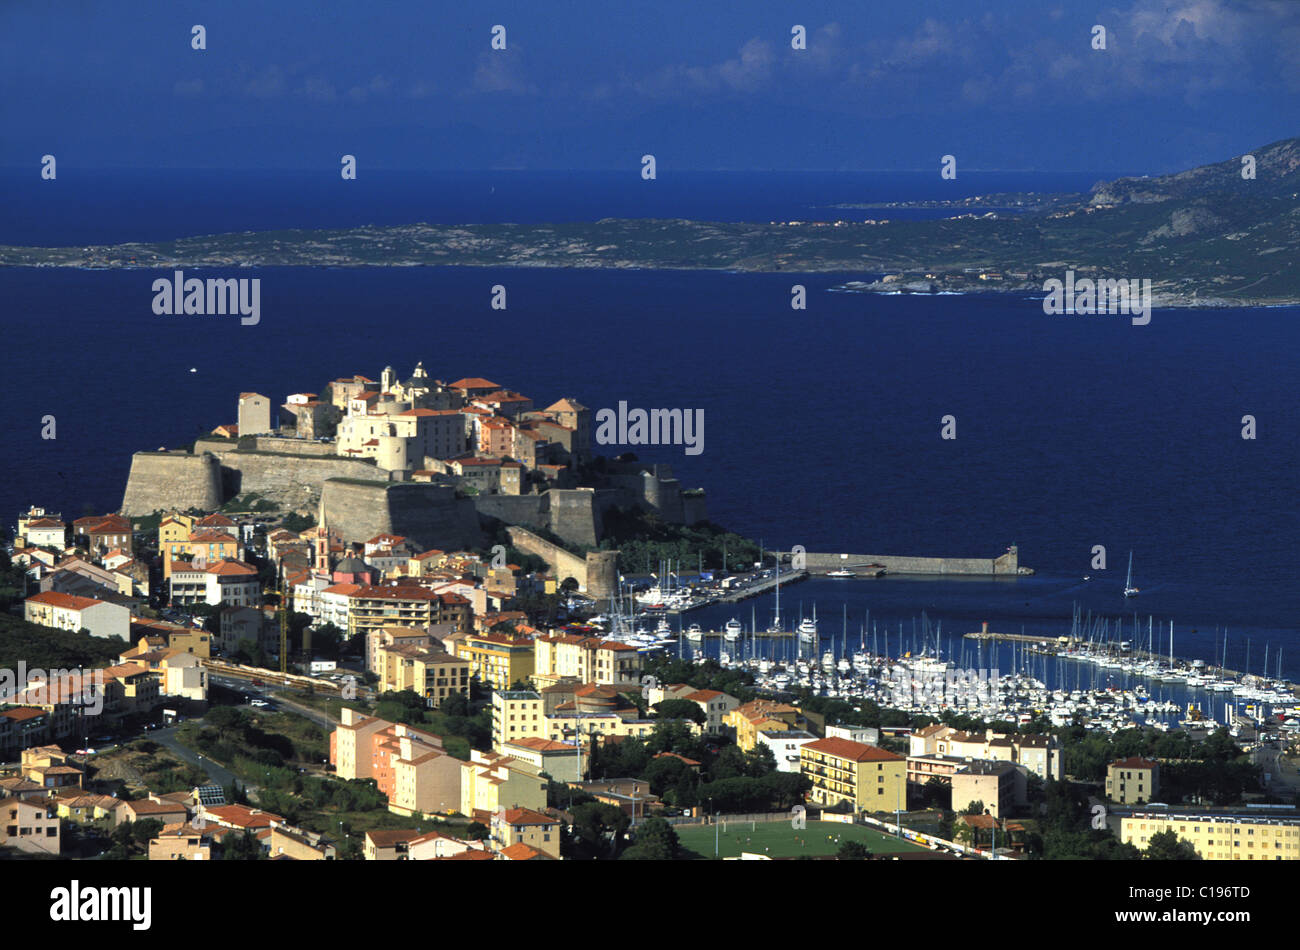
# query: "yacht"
[[808, 628], [694, 632], [732, 630], [841, 573]]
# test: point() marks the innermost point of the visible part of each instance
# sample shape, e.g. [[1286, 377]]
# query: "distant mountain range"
[[1205, 236]]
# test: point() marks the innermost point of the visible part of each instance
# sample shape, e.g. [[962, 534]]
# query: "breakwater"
[[1004, 565]]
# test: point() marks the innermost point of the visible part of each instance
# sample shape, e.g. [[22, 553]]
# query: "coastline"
[[1161, 300]]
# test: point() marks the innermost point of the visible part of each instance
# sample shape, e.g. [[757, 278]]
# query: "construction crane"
[[283, 592]]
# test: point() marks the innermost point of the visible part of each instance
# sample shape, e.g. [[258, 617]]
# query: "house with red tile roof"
[[69, 612], [533, 829]]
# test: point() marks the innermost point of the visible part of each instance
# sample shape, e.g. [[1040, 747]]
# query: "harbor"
[[1088, 670]]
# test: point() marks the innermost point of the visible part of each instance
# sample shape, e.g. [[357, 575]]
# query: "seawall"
[[1005, 564]]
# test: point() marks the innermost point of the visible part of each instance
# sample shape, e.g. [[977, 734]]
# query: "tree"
[[852, 851], [665, 773], [145, 830], [760, 761], [655, 841], [598, 829], [680, 709], [1167, 846], [964, 834], [245, 847], [476, 831], [974, 808]]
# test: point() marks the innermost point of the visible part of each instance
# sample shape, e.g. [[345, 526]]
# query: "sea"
[[822, 427]]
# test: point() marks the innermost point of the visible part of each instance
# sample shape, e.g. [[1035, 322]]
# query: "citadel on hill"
[[433, 461]]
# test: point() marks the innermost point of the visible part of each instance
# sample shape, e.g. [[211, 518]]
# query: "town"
[[402, 620]]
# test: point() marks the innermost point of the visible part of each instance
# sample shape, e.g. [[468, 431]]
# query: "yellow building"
[[1132, 781], [517, 714], [403, 605], [498, 659], [761, 715], [205, 545], [489, 781], [869, 777], [566, 725], [181, 842], [433, 674], [1220, 837], [523, 825], [174, 529], [588, 659], [299, 844]]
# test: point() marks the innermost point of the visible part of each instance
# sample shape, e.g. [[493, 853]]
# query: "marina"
[[1090, 673]]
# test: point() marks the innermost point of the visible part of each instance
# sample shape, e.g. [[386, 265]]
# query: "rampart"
[[563, 563], [430, 515], [164, 480], [596, 573], [160, 481]]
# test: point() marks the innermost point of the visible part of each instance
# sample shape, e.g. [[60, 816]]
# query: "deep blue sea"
[[822, 427]]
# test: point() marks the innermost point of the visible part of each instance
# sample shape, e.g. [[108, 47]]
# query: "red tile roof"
[[66, 601], [854, 751], [1134, 762]]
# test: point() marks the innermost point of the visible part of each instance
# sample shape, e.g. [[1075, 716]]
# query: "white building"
[[785, 746], [867, 735], [70, 612], [226, 582]]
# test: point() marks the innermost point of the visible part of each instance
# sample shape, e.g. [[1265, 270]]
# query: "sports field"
[[780, 840]]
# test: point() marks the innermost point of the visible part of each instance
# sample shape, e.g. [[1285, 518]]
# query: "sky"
[[294, 84]]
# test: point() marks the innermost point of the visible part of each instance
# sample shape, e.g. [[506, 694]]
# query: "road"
[[217, 774], [324, 720]]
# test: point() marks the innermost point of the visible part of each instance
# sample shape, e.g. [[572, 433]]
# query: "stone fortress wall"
[[297, 475]]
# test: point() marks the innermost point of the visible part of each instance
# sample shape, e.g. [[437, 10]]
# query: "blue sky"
[[406, 85]]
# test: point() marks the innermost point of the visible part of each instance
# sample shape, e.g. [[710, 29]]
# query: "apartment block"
[[1132, 781], [1220, 837], [490, 781], [868, 777], [433, 674]]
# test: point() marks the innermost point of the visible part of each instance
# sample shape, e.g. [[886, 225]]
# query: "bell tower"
[[323, 545]]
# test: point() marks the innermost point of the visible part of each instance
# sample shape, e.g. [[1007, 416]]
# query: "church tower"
[[323, 545]]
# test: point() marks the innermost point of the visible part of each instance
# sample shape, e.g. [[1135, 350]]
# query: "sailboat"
[[1129, 589], [776, 611]]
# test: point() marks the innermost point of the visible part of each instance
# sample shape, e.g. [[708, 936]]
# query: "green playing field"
[[780, 840]]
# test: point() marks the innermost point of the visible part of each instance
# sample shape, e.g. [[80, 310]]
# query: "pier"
[[762, 587]]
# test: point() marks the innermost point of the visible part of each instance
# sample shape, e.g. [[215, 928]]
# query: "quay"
[[762, 587], [1064, 646], [740, 593]]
